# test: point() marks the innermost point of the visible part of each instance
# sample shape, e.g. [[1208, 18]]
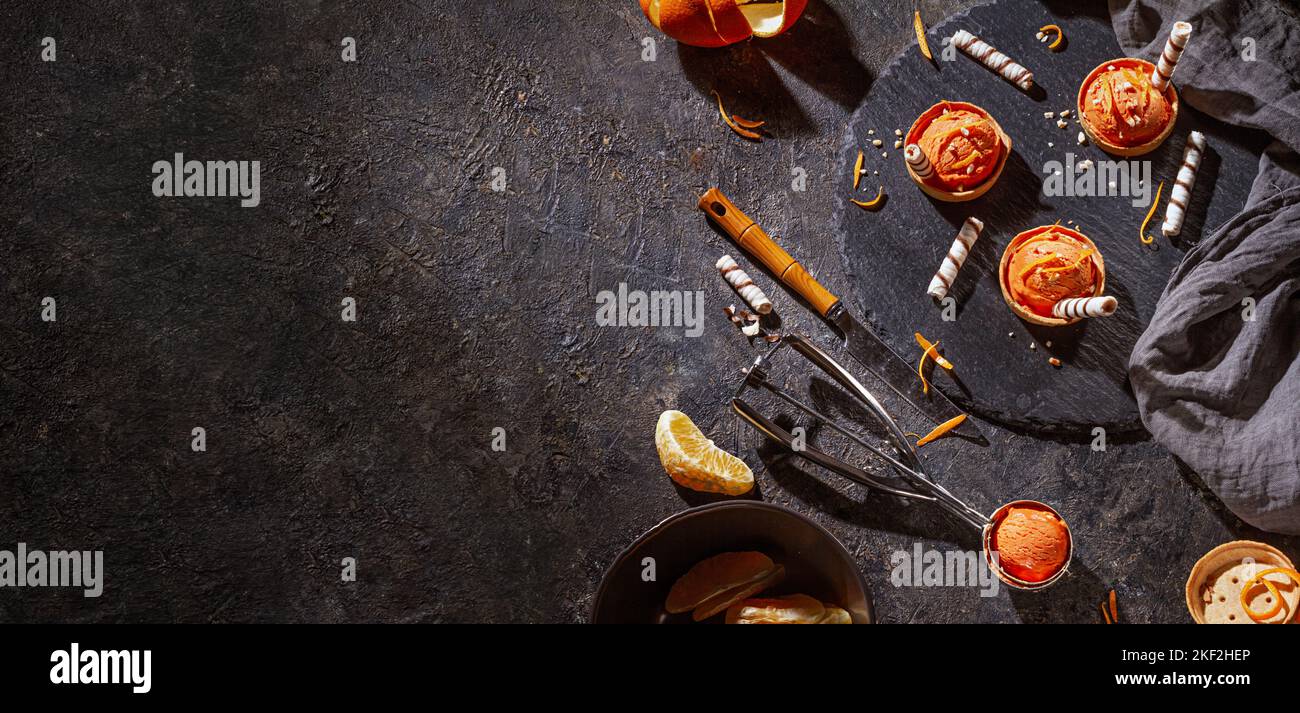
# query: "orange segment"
[[693, 461], [792, 609], [836, 615], [715, 575]]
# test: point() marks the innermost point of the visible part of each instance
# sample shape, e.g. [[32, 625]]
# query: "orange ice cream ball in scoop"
[[1049, 268], [1032, 543], [963, 147], [1124, 108]]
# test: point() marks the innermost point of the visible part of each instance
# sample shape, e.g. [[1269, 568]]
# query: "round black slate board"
[[891, 255]]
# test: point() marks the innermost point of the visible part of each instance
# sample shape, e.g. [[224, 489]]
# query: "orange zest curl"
[[1053, 29], [737, 124], [1258, 617], [941, 429], [1142, 232], [930, 348], [872, 204], [920, 36]]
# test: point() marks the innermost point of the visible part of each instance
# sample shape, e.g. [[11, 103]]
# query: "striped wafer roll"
[[919, 162], [987, 55], [1080, 307], [1181, 193], [1178, 37], [745, 286], [956, 257]]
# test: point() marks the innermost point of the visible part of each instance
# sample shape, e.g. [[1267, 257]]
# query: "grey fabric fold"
[[1217, 372]]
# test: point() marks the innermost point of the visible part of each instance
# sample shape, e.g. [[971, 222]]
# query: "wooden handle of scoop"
[[760, 247]]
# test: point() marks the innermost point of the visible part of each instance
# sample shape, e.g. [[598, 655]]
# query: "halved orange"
[[693, 461]]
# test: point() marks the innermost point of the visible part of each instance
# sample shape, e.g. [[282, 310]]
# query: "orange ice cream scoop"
[[963, 147], [1050, 267], [1032, 543], [1123, 108]]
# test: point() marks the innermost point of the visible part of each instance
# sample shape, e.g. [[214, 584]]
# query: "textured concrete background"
[[371, 439]]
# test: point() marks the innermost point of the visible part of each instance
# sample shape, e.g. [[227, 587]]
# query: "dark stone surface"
[[893, 260], [329, 439]]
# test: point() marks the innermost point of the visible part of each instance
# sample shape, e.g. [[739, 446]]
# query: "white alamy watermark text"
[[657, 308], [180, 178], [22, 567]]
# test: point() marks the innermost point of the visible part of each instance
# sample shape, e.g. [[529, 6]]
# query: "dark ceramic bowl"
[[815, 562]]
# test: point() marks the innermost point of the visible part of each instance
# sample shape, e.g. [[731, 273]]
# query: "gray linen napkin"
[[1216, 374]]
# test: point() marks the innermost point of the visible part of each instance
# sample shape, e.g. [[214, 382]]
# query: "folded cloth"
[[1217, 372]]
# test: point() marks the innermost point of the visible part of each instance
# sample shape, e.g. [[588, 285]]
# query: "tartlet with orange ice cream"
[[1045, 265], [964, 151], [1032, 543], [1122, 111]]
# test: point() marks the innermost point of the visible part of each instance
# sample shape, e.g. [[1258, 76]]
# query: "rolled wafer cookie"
[[745, 286], [1178, 36], [919, 162], [1181, 194], [986, 54], [1080, 307], [956, 257]]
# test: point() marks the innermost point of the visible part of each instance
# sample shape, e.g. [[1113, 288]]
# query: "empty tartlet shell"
[[936, 191], [1004, 266], [1223, 557], [1170, 93], [1002, 574]]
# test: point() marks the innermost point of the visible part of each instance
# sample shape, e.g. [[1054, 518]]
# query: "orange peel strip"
[[748, 123], [1034, 265], [927, 346], [920, 371], [1142, 232], [970, 158], [941, 429], [1114, 610], [1105, 615], [872, 204], [857, 171], [1059, 35], [920, 36], [1272, 589], [1082, 256], [731, 123]]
